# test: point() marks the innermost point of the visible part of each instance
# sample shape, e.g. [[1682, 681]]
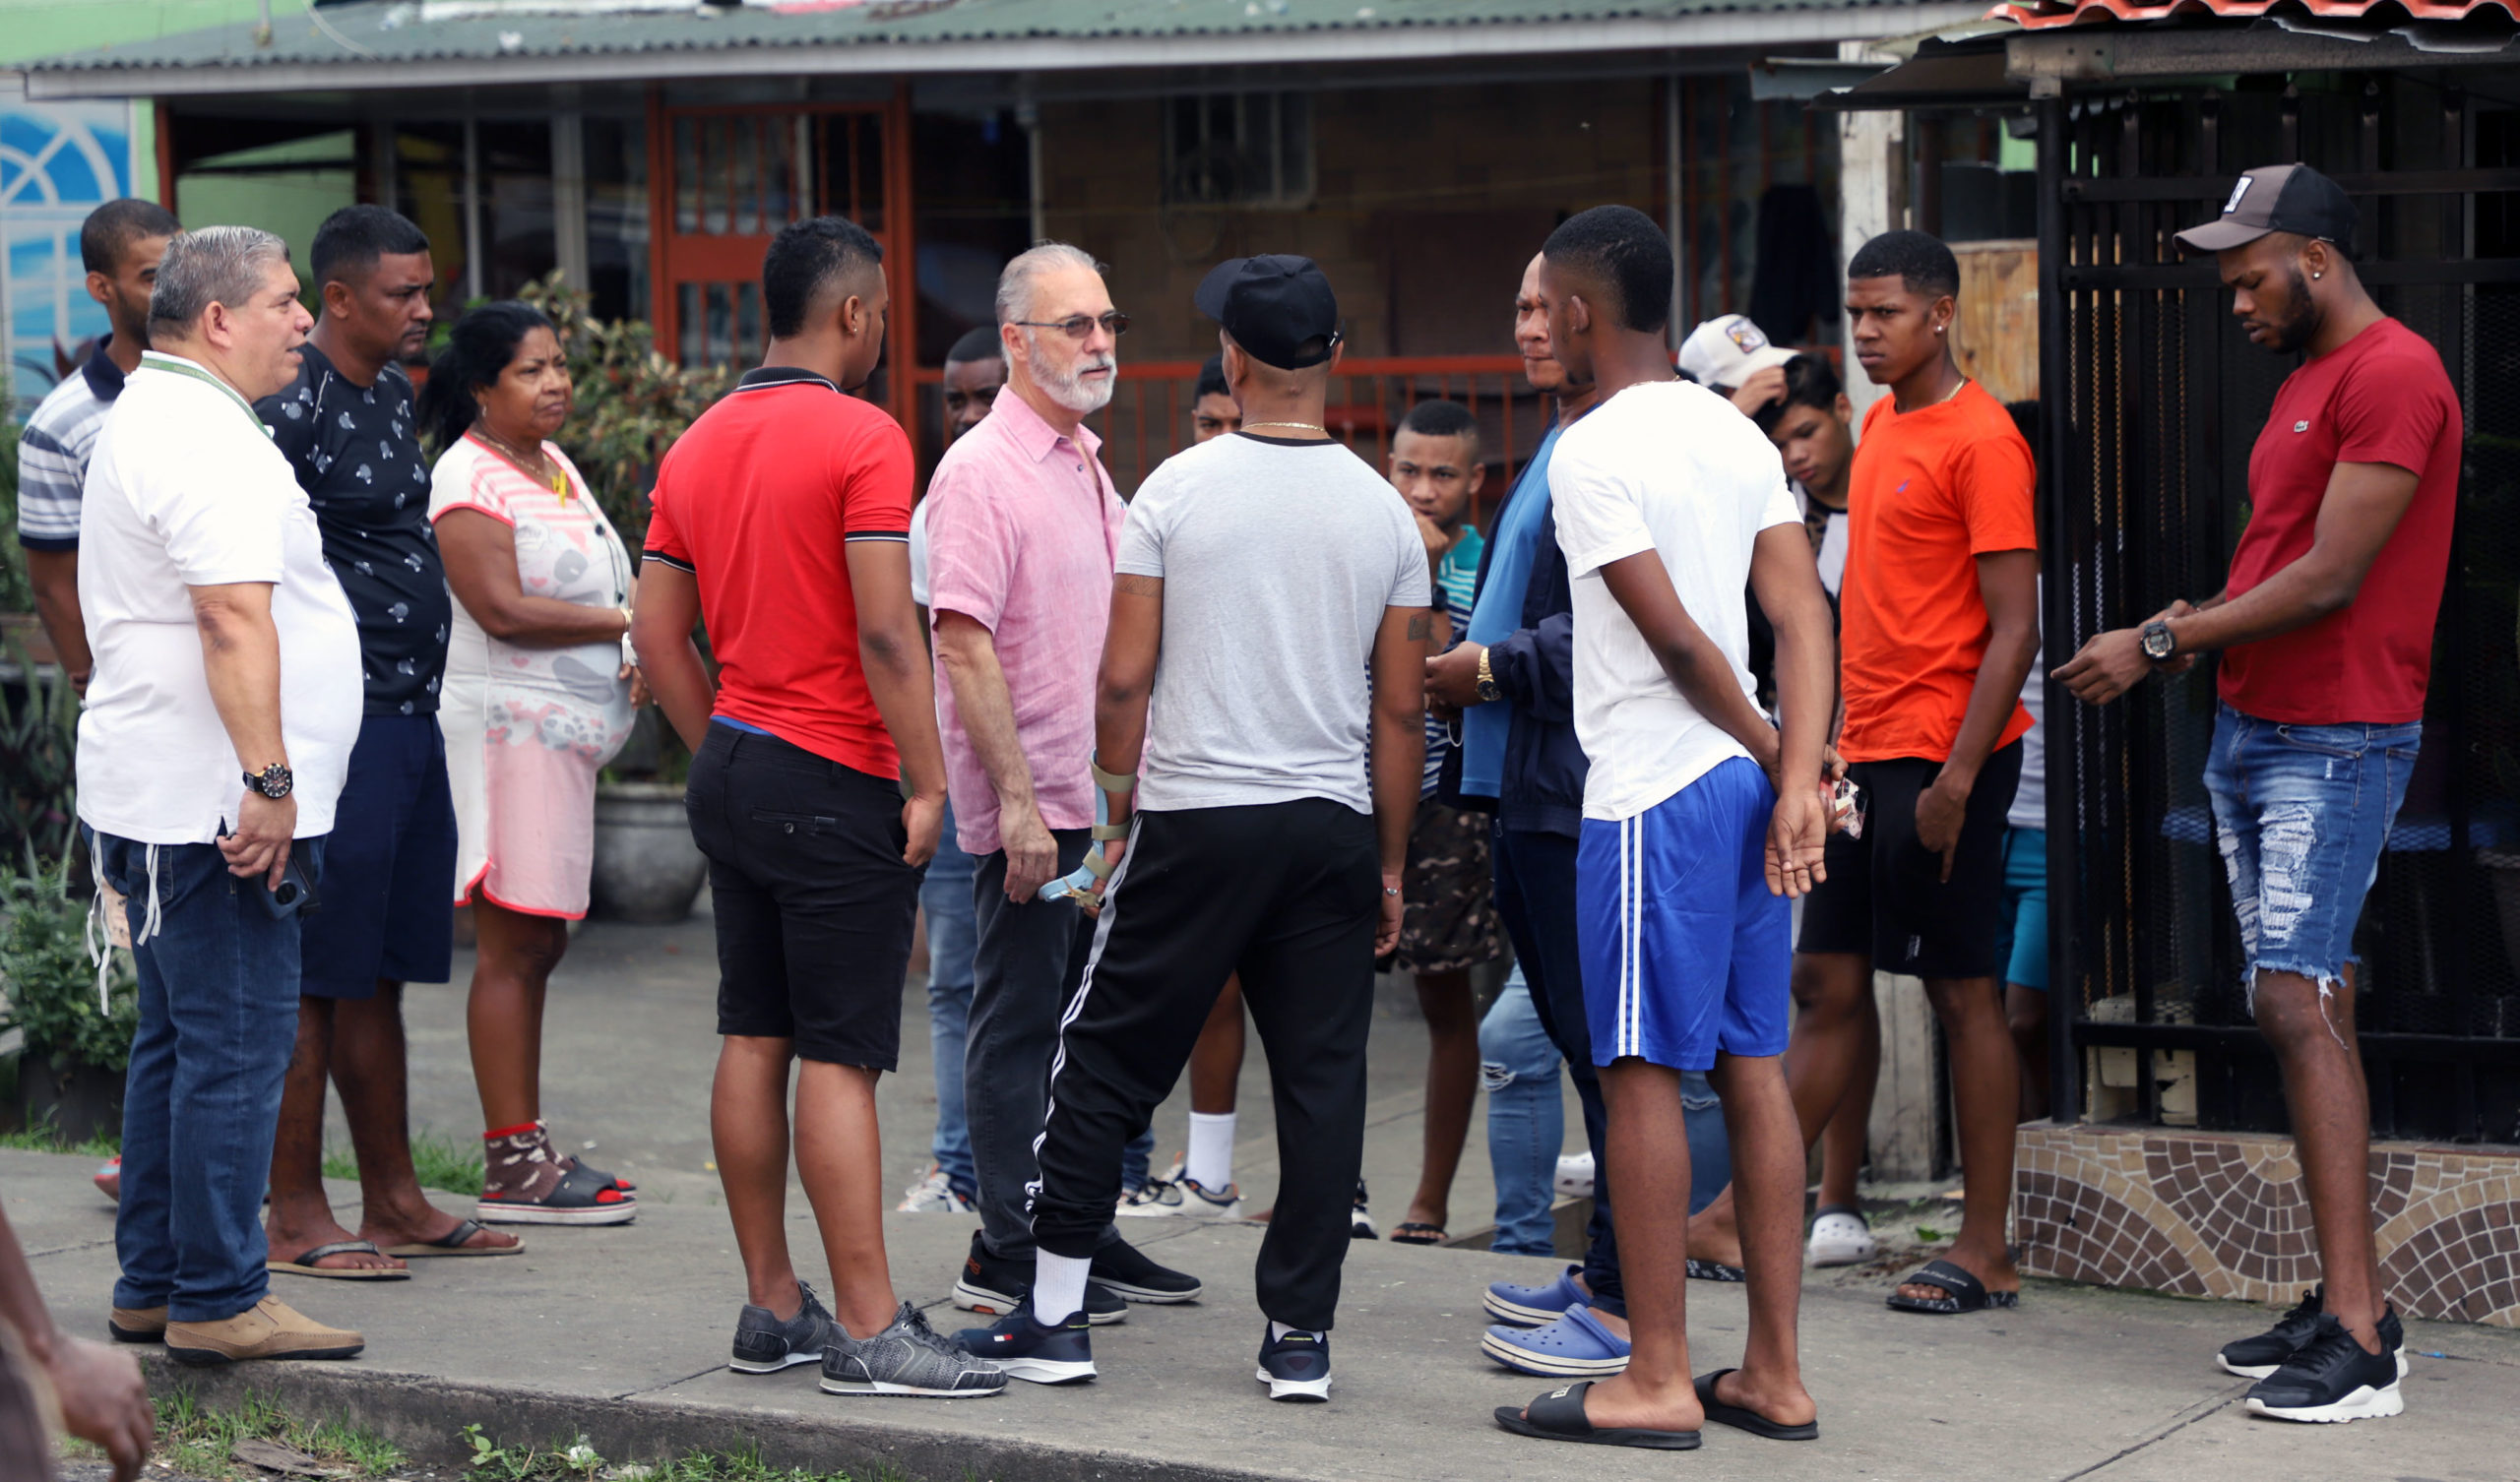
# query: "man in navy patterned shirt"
[[347, 427]]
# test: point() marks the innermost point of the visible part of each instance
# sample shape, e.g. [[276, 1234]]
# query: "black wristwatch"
[[2160, 643], [273, 782]]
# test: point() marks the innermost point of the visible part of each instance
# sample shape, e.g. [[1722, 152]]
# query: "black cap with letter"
[[2273, 198]]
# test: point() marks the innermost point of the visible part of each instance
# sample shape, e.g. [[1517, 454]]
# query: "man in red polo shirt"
[[783, 518], [2326, 632]]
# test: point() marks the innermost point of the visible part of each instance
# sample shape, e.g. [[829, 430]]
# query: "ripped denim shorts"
[[2302, 812]]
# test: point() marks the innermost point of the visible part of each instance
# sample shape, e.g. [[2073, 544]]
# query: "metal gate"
[[2153, 398]]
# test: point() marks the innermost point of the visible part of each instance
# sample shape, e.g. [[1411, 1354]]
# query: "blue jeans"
[[953, 936], [219, 987], [2302, 812], [1526, 1118], [1710, 1143]]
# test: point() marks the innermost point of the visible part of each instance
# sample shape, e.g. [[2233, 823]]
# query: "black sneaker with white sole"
[[1295, 1366], [995, 1285], [1128, 1274], [908, 1358], [2261, 1355], [767, 1344], [1046, 1355], [2329, 1378]]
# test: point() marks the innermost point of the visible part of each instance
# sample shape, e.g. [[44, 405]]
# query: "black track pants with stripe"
[[1285, 893]]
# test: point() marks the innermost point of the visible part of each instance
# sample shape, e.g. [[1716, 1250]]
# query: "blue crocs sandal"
[[1575, 1347], [1521, 1306]]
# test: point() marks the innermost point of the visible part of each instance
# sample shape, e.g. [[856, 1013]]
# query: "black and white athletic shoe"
[[908, 1358], [1129, 1274], [1017, 1345], [994, 1285], [2259, 1356], [1361, 1220], [766, 1345], [1295, 1366], [2330, 1378]]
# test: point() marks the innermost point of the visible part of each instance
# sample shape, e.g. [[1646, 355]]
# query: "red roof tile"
[[2039, 15]]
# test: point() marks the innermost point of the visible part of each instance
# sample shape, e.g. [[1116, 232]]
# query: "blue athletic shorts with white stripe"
[[1686, 954]]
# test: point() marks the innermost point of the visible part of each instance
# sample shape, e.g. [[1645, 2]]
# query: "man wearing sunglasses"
[[1023, 527]]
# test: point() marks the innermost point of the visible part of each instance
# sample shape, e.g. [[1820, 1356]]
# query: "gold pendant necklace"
[[556, 477]]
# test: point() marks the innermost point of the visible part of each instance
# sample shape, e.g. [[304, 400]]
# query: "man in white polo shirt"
[[217, 730]]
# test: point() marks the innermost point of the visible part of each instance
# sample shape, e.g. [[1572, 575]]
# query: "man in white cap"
[[1733, 356]]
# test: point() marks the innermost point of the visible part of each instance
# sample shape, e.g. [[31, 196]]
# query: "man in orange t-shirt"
[[1939, 607]]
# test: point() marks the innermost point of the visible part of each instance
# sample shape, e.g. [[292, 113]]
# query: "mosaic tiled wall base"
[[2223, 1214]]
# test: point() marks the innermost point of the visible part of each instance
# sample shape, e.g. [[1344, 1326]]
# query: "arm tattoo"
[[1421, 627], [1129, 584]]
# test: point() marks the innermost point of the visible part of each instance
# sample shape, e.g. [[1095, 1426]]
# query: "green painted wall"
[[31, 29]]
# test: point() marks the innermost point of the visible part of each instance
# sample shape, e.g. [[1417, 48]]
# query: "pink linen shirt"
[[1023, 525]]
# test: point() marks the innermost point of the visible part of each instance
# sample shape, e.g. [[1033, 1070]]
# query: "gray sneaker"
[[907, 1358], [766, 1345]]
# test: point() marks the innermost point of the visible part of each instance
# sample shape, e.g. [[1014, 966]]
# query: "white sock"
[[1279, 1330], [1210, 1164], [1058, 1287]]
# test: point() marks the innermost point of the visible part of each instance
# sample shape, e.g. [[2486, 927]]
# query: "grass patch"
[[45, 1139], [580, 1463], [197, 1441], [442, 1162]]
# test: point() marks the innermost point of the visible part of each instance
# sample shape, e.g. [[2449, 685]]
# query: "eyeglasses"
[[1078, 326]]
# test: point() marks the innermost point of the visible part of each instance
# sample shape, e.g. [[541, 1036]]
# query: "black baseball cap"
[[1278, 307], [2291, 198]]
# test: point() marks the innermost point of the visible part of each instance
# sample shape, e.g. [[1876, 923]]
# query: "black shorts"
[[814, 905], [381, 908], [1885, 896]]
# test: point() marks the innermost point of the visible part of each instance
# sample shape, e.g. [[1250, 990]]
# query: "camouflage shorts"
[[1448, 918]]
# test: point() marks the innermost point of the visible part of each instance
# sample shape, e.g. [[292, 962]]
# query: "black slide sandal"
[[1558, 1415], [1968, 1293], [1715, 1270], [1753, 1421]]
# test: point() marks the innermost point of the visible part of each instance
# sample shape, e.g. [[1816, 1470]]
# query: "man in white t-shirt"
[[217, 731], [1700, 819]]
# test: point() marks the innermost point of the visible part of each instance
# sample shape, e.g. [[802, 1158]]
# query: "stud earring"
[[2315, 277]]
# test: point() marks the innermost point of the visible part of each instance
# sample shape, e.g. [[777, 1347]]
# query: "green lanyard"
[[152, 360]]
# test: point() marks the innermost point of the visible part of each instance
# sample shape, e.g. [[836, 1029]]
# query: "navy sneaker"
[[995, 1285], [1129, 1274], [2330, 1379], [1017, 1345], [1295, 1366], [766, 1345]]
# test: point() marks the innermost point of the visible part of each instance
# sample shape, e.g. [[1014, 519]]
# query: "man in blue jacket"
[[1512, 679]]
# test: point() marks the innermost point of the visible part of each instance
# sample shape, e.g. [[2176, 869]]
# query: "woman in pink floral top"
[[539, 696]]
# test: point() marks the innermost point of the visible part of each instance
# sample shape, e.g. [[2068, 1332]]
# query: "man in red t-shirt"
[[2326, 633], [783, 518]]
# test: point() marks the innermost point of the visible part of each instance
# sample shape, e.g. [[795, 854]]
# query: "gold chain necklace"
[[551, 473], [1306, 426]]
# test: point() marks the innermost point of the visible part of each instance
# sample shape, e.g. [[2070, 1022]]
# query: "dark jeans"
[[1024, 972], [219, 985], [1536, 897]]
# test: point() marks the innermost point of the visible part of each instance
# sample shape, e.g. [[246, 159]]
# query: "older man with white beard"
[[1023, 529]]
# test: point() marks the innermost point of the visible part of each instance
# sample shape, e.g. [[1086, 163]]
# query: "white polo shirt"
[[185, 490]]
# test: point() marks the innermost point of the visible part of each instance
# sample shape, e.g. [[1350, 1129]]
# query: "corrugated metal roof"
[[2039, 15], [391, 32]]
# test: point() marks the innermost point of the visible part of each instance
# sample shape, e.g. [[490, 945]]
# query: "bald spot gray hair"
[[213, 265], [1015, 283]]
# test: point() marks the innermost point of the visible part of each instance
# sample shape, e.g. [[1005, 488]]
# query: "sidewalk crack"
[[2182, 1421], [669, 1384]]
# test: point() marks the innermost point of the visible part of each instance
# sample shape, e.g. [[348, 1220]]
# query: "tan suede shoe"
[[138, 1325], [272, 1330]]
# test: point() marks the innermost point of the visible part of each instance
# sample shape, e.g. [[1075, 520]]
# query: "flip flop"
[[303, 1263], [1741, 1419], [1714, 1270], [452, 1243], [1417, 1232], [1558, 1415], [1967, 1292]]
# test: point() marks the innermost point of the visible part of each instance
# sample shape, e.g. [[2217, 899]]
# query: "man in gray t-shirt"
[[1260, 577]]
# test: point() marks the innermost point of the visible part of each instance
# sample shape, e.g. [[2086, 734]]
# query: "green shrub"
[[50, 981]]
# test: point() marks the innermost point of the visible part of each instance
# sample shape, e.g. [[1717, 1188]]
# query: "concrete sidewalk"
[[621, 1335]]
